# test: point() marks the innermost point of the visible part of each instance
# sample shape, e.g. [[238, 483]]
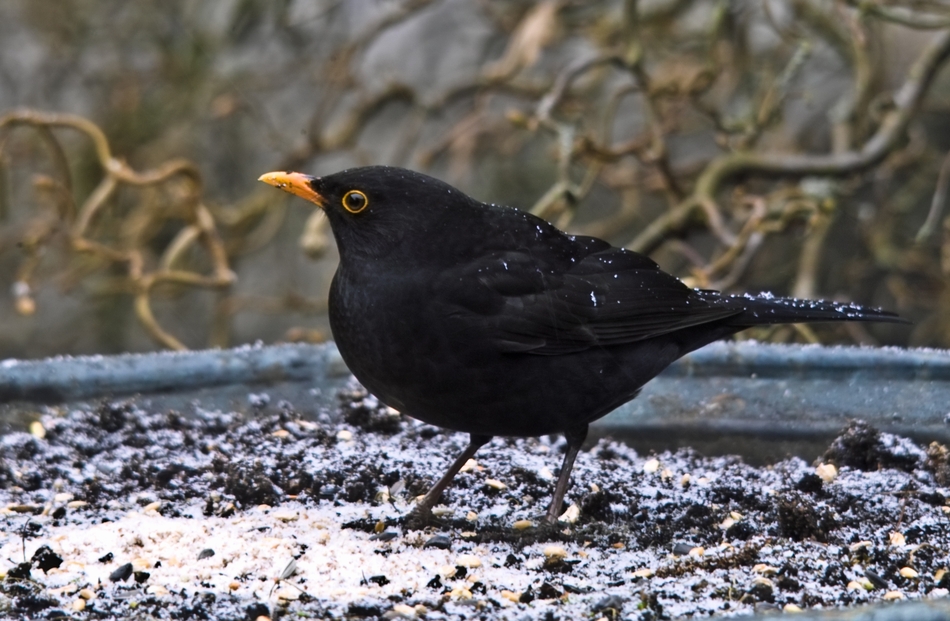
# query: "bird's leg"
[[575, 438], [428, 501]]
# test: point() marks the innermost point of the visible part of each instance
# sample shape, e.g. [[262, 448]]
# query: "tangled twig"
[[199, 228]]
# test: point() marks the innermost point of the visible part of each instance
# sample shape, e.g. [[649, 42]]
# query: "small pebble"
[[37, 430], [78, 605], [471, 516], [469, 560], [123, 573], [571, 515], [206, 553], [386, 535], [468, 466], [555, 552], [495, 484], [897, 539], [523, 525], [826, 472], [448, 571], [344, 435], [893, 595], [909, 572], [511, 596], [682, 549], [461, 592], [651, 466], [646, 572], [791, 608], [441, 542]]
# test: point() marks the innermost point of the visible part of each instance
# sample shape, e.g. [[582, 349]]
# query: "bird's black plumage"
[[491, 321]]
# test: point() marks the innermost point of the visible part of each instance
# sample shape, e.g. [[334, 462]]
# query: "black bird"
[[491, 321]]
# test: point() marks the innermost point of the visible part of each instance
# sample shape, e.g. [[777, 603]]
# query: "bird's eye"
[[355, 201]]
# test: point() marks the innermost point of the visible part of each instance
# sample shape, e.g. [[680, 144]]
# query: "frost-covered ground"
[[115, 512]]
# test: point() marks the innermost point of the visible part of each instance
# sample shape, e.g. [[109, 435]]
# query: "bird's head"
[[375, 209]]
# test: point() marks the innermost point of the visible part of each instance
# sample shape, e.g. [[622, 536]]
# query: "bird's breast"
[[384, 327]]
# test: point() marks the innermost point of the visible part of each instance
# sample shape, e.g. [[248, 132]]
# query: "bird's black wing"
[[584, 294]]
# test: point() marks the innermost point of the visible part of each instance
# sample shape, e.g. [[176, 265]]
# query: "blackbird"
[[491, 321]]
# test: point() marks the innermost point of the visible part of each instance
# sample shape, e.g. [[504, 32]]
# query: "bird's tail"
[[764, 309]]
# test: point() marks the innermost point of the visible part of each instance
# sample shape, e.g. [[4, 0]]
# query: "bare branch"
[[892, 128]]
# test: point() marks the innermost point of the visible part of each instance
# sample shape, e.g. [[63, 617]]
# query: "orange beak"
[[295, 183]]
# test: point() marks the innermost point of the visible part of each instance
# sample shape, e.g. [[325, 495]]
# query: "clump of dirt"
[[863, 447], [364, 411], [800, 518]]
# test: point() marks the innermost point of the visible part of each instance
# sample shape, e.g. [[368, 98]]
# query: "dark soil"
[[657, 537]]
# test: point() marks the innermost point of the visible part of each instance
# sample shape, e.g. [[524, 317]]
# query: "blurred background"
[[792, 146]]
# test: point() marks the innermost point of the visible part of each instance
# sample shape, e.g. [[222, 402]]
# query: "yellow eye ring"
[[355, 201]]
